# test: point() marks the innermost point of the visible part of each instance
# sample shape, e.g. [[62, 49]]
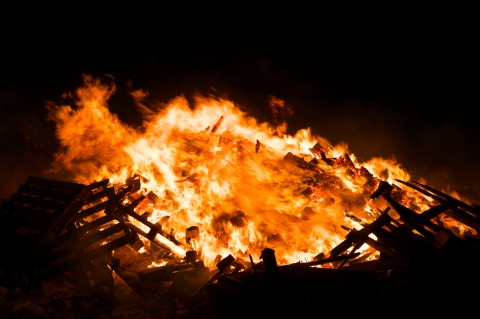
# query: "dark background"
[[397, 89]]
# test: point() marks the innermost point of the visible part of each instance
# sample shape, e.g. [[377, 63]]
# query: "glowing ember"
[[220, 181]]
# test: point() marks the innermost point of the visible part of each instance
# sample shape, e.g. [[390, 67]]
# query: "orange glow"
[[246, 185]]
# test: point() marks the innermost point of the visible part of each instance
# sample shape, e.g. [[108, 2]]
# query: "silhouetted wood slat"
[[85, 246], [71, 237], [380, 264], [39, 220], [461, 211], [338, 258], [120, 212], [44, 203], [401, 240], [92, 210], [446, 198], [425, 227], [14, 216], [379, 245], [359, 237], [60, 195], [433, 212]]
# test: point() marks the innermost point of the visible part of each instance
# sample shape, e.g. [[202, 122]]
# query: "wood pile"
[[73, 251]]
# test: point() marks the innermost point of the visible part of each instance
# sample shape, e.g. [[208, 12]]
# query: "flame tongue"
[[218, 179]]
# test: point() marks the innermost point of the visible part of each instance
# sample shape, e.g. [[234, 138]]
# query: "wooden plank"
[[33, 217], [42, 203], [54, 184]]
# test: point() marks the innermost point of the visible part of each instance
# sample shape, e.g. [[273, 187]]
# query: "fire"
[[243, 185]]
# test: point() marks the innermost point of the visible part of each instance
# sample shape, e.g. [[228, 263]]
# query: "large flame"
[[246, 185]]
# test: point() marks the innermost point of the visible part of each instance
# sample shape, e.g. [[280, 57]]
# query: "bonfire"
[[211, 186]]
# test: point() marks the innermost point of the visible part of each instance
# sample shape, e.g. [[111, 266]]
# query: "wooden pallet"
[[51, 226]]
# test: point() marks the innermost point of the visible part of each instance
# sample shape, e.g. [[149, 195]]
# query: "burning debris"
[[74, 248], [205, 213]]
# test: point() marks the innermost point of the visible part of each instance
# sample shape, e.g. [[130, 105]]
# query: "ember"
[[204, 212]]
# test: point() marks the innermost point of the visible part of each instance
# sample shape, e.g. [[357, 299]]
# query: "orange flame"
[[245, 184]]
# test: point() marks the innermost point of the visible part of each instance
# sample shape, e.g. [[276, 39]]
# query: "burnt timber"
[[82, 234]]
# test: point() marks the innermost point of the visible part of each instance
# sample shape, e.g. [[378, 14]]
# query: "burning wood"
[[175, 220], [91, 237]]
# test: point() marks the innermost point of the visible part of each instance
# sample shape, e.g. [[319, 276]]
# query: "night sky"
[[409, 94]]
